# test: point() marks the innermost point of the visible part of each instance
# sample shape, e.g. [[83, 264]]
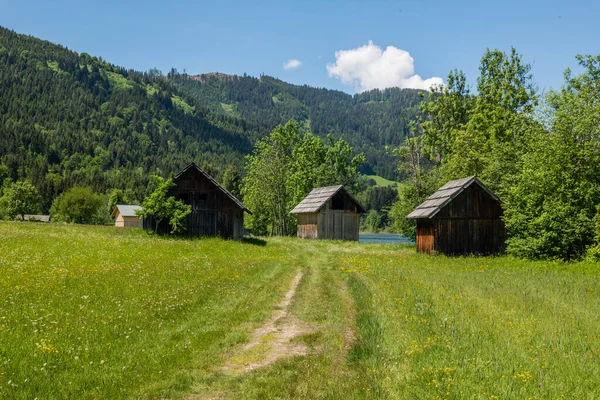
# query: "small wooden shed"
[[328, 213], [462, 217], [125, 216], [215, 211]]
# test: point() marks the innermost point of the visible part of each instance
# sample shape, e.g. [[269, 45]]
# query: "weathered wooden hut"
[[215, 211], [328, 213], [125, 216], [462, 217]]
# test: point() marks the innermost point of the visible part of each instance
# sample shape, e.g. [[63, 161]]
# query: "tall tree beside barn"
[[463, 134], [20, 198], [265, 187], [285, 167], [552, 204], [162, 207], [232, 180]]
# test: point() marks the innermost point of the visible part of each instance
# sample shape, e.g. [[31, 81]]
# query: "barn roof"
[[434, 203], [317, 198], [37, 218], [126, 210], [210, 178]]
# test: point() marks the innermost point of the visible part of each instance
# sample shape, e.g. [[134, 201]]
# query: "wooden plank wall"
[[132, 222], [470, 224], [307, 226], [213, 212], [470, 236], [338, 225], [475, 203], [425, 236]]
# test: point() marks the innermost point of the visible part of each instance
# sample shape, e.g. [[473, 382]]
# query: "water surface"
[[384, 238]]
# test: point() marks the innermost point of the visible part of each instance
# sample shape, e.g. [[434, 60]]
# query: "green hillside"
[[380, 181], [68, 118], [73, 119], [368, 121]]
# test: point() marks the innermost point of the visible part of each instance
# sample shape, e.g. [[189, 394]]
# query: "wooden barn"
[[215, 211], [125, 216], [462, 217], [328, 213]]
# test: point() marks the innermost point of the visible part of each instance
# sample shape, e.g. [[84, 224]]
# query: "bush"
[[161, 207], [20, 198], [79, 205]]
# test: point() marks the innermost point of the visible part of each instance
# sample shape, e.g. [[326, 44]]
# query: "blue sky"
[[257, 37]]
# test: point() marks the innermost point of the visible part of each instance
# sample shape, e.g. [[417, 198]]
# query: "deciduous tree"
[[161, 207], [21, 198]]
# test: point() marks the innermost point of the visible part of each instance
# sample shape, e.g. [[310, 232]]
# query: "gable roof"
[[126, 210], [434, 203], [210, 178], [317, 198]]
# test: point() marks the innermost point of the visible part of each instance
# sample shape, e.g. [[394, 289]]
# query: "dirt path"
[[274, 339]]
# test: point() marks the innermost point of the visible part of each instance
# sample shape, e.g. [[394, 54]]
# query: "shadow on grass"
[[254, 241]]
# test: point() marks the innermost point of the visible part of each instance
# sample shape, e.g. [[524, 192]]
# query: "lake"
[[384, 238]]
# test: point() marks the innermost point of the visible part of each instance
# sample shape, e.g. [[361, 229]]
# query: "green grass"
[[229, 109], [479, 327], [91, 312], [102, 312], [118, 81], [381, 181], [181, 104], [53, 65]]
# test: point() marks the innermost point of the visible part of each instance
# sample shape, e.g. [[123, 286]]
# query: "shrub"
[[79, 205]]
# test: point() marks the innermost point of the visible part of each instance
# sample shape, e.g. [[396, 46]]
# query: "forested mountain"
[[68, 118], [71, 119], [369, 121]]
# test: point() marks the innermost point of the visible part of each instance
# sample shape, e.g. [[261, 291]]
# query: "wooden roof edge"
[[488, 191], [470, 180], [461, 189], [213, 180], [359, 206], [333, 193]]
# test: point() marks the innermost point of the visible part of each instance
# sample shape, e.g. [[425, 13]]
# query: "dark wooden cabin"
[[462, 217], [215, 211], [328, 213]]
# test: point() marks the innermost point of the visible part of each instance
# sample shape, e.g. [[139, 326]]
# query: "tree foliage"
[[79, 205], [544, 166], [232, 181], [162, 207], [551, 206], [20, 198], [285, 167]]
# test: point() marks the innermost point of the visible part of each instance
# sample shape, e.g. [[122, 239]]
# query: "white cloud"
[[291, 64], [369, 67]]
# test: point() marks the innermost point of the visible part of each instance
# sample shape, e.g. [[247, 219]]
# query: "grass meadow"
[[102, 312]]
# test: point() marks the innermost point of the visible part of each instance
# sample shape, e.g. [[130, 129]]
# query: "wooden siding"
[[425, 235], [339, 219], [128, 222], [307, 226], [473, 202], [470, 224], [213, 212], [470, 236], [338, 225]]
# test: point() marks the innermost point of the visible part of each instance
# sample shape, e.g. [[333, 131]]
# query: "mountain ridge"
[[69, 118]]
